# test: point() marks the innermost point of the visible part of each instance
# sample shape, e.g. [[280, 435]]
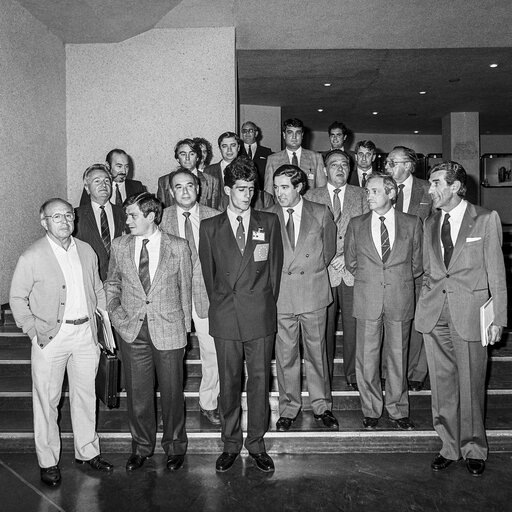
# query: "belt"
[[79, 321]]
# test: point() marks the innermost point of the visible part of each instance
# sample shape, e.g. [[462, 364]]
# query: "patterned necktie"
[[119, 200], [295, 161], [105, 231], [446, 239], [363, 183], [337, 205], [189, 235], [384, 240], [144, 277], [290, 228], [240, 234], [249, 152], [399, 205]]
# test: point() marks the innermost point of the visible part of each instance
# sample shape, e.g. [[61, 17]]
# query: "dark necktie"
[[337, 205], [446, 239], [399, 205], [295, 161], [240, 234], [189, 235], [290, 228], [105, 231], [363, 183], [384, 240], [144, 277], [119, 200], [249, 152]]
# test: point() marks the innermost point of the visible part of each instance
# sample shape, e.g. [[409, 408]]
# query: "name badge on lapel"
[[261, 252], [258, 235]]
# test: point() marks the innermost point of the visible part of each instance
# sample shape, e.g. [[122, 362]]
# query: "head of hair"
[[44, 206], [453, 172], [110, 154], [193, 145], [181, 170], [367, 144], [95, 167], [409, 154], [209, 150], [147, 203], [337, 124], [334, 152], [251, 123], [293, 123], [388, 182], [228, 135], [296, 175], [241, 168]]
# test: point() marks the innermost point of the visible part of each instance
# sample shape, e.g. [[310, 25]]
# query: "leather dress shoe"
[[174, 462], [439, 463], [283, 424], [415, 385], [98, 463], [328, 419], [50, 476], [263, 461], [475, 466], [211, 415], [404, 423], [135, 462], [370, 423], [225, 461]]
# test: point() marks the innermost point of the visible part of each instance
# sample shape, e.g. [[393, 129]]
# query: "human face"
[[337, 168], [138, 224], [99, 186], [184, 191], [378, 200], [187, 157], [119, 167], [365, 158], [59, 232], [229, 149], [240, 196], [249, 133], [293, 137], [397, 166], [337, 138], [287, 195], [444, 196]]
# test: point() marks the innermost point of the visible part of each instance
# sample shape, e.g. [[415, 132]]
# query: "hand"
[[494, 334], [338, 263]]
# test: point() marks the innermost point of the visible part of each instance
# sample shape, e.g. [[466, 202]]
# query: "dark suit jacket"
[[353, 179], [260, 160], [86, 229], [132, 187], [421, 202], [243, 290], [222, 199]]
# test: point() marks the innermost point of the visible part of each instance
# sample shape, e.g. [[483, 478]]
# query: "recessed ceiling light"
[[453, 80], [493, 65], [416, 131], [423, 92], [327, 84], [320, 110], [374, 113]]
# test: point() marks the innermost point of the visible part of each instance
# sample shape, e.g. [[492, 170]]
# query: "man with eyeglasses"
[[253, 150], [55, 291], [364, 156]]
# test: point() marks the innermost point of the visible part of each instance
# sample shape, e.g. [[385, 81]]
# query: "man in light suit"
[[464, 266], [99, 221], [413, 198], [254, 151], [364, 156], [383, 252], [182, 219], [189, 155], [241, 255], [149, 299], [344, 201], [310, 162], [309, 241], [54, 294]]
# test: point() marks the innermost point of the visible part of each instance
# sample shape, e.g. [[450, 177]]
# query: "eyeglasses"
[[60, 217], [248, 130], [392, 163]]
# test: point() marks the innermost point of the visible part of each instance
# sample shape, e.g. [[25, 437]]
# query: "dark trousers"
[[230, 358]]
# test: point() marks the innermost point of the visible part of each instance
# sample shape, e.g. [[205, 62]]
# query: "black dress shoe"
[[50, 476], [439, 463], [98, 463], [225, 461], [328, 419], [263, 461], [370, 423], [475, 466], [404, 423], [211, 415], [415, 385], [135, 462], [284, 424], [174, 462]]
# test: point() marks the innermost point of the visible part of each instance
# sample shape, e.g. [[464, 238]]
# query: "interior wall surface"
[[268, 120]]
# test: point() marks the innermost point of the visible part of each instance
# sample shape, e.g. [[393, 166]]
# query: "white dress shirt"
[[456, 216], [246, 217], [297, 217], [298, 153], [153, 247], [110, 217], [390, 226]]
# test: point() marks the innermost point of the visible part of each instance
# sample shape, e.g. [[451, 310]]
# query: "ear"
[[456, 186], [373, 157], [44, 223], [171, 191], [299, 187], [86, 186], [151, 216], [227, 190]]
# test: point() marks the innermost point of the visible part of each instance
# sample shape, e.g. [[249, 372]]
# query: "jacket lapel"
[[305, 225], [249, 244], [465, 229], [436, 237], [165, 253]]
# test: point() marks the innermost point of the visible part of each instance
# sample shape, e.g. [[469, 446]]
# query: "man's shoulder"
[[407, 219], [313, 206], [36, 248], [214, 220], [278, 155], [355, 191], [312, 154], [205, 212], [163, 179], [420, 183], [264, 150]]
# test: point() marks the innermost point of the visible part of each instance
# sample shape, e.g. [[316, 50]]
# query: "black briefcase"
[[107, 379]]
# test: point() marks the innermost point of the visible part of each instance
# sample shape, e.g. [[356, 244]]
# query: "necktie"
[[294, 159], [363, 183], [249, 152], [240, 234], [189, 235], [384, 240], [399, 205], [144, 277], [337, 205], [446, 239], [119, 201], [290, 228], [105, 231]]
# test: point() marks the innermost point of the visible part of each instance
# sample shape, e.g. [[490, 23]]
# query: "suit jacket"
[[259, 158], [354, 204], [384, 288], [476, 271], [353, 179], [305, 281], [86, 229], [243, 290], [421, 202], [132, 187], [311, 163], [38, 290], [168, 305], [169, 224], [208, 190], [222, 199]]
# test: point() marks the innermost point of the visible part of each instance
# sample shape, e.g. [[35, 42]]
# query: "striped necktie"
[[384, 240], [105, 231]]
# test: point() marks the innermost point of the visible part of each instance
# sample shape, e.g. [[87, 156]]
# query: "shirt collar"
[[389, 215], [194, 211]]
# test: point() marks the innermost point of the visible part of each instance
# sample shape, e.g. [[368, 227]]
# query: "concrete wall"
[[32, 130], [145, 94], [268, 119]]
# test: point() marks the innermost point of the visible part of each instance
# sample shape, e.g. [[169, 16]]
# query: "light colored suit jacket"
[[354, 204], [311, 163], [168, 305], [305, 282], [421, 202], [476, 271], [384, 288], [169, 225]]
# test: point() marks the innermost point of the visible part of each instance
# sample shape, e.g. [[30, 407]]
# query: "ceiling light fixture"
[[374, 113], [493, 65], [423, 92], [320, 110], [416, 131], [327, 84]]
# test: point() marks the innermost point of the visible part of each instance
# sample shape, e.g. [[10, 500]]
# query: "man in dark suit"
[[309, 242], [463, 267], [364, 159], [252, 150], [99, 221], [412, 198], [344, 201], [241, 255], [383, 252]]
